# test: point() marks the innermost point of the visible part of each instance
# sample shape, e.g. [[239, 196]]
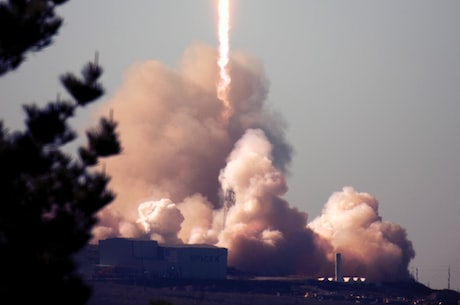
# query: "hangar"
[[148, 258]]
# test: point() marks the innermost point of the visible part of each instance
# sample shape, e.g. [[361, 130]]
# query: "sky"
[[368, 90]]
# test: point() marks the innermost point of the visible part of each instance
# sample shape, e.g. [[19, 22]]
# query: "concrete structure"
[[146, 258], [338, 268], [338, 277]]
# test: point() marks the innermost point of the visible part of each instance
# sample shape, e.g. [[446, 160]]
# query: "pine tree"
[[26, 25], [49, 199]]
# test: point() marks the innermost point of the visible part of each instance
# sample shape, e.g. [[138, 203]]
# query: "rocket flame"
[[223, 86]]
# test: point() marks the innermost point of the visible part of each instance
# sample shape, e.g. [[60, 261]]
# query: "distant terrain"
[[266, 291]]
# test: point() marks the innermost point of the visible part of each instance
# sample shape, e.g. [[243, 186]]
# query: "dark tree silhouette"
[[49, 199], [25, 25]]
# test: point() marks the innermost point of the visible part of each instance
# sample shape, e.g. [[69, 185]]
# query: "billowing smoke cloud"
[[351, 223], [266, 235], [187, 176], [162, 218]]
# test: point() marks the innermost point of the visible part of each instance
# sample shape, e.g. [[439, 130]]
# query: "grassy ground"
[[267, 293], [118, 294]]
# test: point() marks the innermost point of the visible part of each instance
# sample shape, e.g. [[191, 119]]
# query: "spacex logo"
[[205, 258]]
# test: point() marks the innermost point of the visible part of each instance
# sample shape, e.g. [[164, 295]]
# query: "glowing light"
[[223, 86]]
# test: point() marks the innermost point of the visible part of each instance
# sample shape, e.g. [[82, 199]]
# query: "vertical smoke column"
[[223, 86]]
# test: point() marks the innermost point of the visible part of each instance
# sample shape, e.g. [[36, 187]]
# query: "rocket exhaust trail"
[[223, 86]]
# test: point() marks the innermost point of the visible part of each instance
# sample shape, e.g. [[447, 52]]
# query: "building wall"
[[165, 261], [198, 262], [127, 252]]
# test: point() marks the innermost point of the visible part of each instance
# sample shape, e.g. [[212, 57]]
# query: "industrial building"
[[135, 258]]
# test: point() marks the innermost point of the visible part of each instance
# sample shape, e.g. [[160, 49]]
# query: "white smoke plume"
[[186, 176], [351, 223], [266, 235], [162, 219]]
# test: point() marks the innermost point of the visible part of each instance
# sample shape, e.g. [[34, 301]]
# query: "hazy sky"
[[370, 91]]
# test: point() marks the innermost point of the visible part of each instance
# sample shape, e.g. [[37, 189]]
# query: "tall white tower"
[[338, 267]]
